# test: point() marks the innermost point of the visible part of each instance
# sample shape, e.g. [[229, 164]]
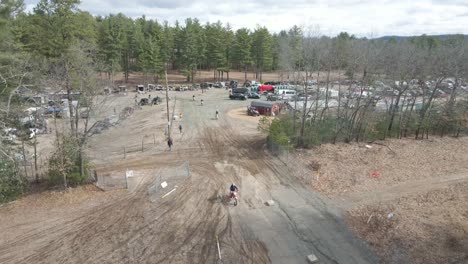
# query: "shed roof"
[[263, 104]]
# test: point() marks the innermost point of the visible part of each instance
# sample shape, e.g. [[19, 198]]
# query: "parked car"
[[156, 100], [239, 96], [206, 85], [253, 95], [233, 84], [273, 97], [219, 85], [143, 101], [84, 114]]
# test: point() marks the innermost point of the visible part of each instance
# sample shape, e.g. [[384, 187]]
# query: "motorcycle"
[[233, 195]]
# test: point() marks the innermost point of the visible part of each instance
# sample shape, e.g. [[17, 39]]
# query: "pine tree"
[[242, 49]]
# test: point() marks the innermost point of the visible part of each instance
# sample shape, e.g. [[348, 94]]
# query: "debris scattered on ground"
[[345, 168], [428, 228]]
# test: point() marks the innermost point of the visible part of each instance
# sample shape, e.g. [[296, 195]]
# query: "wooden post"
[[219, 249], [167, 104]]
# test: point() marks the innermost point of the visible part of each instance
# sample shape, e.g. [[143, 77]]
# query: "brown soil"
[[241, 114], [422, 183], [141, 225], [175, 78]]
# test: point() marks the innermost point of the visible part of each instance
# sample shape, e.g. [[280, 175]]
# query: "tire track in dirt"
[[142, 227]]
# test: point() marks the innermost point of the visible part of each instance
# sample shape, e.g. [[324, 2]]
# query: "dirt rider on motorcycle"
[[233, 189]]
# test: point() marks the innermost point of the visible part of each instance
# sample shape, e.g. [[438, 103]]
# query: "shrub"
[[11, 183], [66, 160]]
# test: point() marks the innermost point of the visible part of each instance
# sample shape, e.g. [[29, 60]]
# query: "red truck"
[[266, 88]]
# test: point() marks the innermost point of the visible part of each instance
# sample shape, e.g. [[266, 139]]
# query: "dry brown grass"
[[348, 168], [428, 228]]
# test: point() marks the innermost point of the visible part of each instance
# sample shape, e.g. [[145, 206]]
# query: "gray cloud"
[[359, 17]]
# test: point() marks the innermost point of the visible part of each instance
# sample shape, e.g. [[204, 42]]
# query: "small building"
[[266, 107]]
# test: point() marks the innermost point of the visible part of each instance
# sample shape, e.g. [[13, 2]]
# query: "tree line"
[[124, 44], [411, 88]]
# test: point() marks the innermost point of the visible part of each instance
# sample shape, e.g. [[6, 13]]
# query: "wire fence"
[[165, 178], [111, 181], [153, 142]]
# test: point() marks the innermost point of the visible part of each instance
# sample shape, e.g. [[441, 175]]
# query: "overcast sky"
[[370, 18]]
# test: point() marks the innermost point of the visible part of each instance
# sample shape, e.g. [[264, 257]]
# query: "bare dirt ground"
[[175, 77], [318, 195], [241, 114], [422, 184], [148, 224]]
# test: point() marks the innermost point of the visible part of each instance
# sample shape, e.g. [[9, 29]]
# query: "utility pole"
[[167, 104]]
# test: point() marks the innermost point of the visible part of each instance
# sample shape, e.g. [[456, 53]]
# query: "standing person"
[[201, 101], [193, 97], [169, 144], [217, 114], [180, 128]]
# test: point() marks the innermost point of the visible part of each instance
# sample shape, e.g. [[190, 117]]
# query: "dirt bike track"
[[393, 192], [139, 226]]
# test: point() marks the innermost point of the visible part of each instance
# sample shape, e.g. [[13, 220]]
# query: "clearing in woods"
[[141, 225], [417, 182]]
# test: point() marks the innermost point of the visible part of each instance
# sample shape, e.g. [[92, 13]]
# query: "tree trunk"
[[338, 119], [35, 159], [325, 108], [393, 113], [245, 72], [70, 104], [426, 107], [25, 162]]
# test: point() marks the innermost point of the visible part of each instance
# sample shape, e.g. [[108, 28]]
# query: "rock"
[[312, 258], [270, 203]]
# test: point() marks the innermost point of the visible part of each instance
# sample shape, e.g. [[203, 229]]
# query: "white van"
[[287, 94]]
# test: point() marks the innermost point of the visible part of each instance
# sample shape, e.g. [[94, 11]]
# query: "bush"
[[11, 184], [66, 160]]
